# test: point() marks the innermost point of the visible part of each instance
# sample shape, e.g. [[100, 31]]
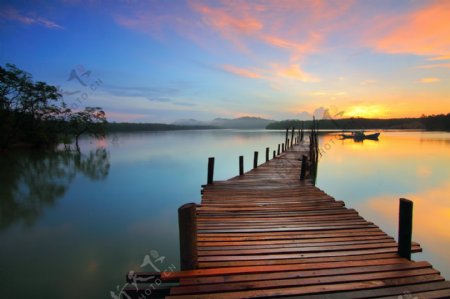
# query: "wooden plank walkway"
[[267, 234]]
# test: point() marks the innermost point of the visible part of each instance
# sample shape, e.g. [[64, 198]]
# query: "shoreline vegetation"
[[34, 114], [439, 122]]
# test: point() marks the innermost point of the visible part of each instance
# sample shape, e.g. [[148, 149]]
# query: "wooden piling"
[[274, 154], [267, 154], [241, 165], [278, 152], [286, 137], [255, 160], [405, 228], [303, 168], [282, 147], [292, 136], [187, 225], [210, 170]]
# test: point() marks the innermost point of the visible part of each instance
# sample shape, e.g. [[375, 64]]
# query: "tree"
[[34, 112], [90, 121]]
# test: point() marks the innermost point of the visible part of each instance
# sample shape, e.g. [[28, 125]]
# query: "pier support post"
[[303, 168], [278, 153], [292, 136], [282, 147], [286, 137], [210, 170], [241, 165], [255, 160], [267, 154], [405, 228], [274, 154], [187, 225]]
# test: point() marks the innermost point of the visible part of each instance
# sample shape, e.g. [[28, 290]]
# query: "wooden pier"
[[268, 234]]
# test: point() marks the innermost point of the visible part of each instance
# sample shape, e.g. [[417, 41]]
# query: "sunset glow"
[[160, 61]]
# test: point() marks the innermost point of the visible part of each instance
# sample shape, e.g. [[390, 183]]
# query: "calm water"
[[72, 225]]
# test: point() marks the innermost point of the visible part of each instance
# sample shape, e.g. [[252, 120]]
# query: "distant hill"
[[246, 122], [134, 127]]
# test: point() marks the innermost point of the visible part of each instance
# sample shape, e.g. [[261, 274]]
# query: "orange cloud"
[[423, 32], [444, 57], [432, 66], [294, 71], [241, 72], [430, 80]]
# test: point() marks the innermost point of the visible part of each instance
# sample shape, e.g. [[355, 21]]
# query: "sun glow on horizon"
[[373, 111]]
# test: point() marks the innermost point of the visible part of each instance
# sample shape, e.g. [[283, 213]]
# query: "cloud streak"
[[12, 14], [241, 72]]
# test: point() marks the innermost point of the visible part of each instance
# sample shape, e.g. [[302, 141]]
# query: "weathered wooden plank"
[[374, 268], [322, 288]]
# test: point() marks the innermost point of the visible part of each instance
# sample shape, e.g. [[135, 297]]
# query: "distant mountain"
[[246, 122]]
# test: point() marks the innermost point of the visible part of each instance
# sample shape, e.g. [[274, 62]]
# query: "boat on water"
[[360, 135]]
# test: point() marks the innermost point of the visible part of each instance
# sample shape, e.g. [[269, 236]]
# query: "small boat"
[[359, 135]]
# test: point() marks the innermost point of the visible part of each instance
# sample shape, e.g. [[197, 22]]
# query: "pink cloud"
[[425, 31]]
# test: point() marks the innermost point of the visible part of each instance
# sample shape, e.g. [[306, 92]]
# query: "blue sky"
[[160, 61]]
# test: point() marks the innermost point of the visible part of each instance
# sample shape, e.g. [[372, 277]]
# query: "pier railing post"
[[241, 165], [405, 228], [255, 160], [210, 170], [187, 225], [267, 154], [303, 168]]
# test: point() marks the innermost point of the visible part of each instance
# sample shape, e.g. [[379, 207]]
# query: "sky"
[[162, 61]]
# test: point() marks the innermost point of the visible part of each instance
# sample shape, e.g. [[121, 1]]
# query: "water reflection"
[[371, 177], [32, 181]]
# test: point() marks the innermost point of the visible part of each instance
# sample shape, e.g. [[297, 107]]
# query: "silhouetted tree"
[[34, 112], [90, 121]]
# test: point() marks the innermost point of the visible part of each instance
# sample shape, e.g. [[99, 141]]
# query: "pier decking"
[[267, 234]]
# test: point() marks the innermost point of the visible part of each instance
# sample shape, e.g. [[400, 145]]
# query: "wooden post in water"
[[241, 165], [303, 168], [282, 147], [405, 228], [187, 225], [267, 154], [255, 160], [210, 170], [286, 138], [287, 144], [274, 154], [278, 152], [292, 136], [301, 133]]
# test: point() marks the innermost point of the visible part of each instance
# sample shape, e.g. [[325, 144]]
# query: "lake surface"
[[72, 225]]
